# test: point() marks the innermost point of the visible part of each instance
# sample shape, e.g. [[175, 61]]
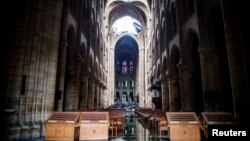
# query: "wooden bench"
[[62, 126], [215, 120], [94, 125], [183, 126]]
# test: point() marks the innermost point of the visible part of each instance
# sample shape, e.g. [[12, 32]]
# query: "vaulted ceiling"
[[137, 9]]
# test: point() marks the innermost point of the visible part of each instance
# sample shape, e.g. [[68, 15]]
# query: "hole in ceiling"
[[126, 24]]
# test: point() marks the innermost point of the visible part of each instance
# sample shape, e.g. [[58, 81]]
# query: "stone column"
[[105, 98], [141, 77], [186, 88], [187, 92], [174, 98], [91, 93], [32, 47], [60, 76], [237, 36], [111, 77], [61, 62], [210, 78], [84, 93], [165, 95], [97, 85], [100, 97]]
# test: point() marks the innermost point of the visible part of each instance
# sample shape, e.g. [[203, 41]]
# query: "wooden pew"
[[215, 120], [94, 125], [62, 126], [183, 126]]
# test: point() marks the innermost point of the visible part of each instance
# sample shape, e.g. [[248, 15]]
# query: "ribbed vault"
[[137, 9]]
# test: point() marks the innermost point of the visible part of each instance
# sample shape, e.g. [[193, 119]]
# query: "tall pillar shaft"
[[165, 95], [84, 94], [210, 78], [100, 97], [173, 95], [60, 76], [187, 91], [237, 36], [96, 95], [91, 93], [62, 51]]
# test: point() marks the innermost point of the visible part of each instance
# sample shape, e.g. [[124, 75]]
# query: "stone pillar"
[[105, 98], [91, 94], [78, 85], [165, 95], [210, 78], [32, 47], [111, 77], [141, 77], [174, 98], [237, 36], [60, 76], [186, 88], [100, 96], [61, 62], [84, 93], [71, 92], [97, 85]]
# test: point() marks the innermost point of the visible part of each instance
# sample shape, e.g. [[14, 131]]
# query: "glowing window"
[[124, 67], [131, 67]]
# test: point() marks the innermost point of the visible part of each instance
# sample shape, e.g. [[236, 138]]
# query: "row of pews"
[[186, 126], [87, 125]]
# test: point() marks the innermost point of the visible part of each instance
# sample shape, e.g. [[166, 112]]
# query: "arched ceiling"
[[138, 9], [125, 48]]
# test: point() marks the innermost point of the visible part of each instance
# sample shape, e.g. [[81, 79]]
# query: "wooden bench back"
[[67, 117], [182, 118]]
